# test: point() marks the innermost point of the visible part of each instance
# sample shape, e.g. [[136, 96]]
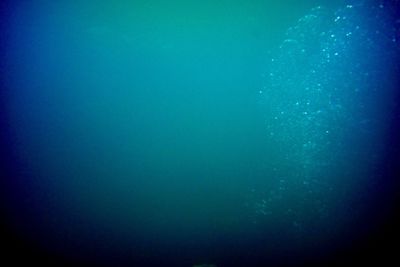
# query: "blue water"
[[179, 134]]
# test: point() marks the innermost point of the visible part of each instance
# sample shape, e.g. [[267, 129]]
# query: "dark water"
[[257, 133]]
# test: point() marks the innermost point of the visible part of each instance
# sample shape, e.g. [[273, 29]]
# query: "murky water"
[[175, 134]]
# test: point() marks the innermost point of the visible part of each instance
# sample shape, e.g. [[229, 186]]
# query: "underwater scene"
[[200, 133]]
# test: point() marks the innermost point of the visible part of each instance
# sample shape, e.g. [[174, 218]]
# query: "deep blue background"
[[138, 134]]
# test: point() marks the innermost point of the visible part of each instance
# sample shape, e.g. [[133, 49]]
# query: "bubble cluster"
[[327, 103]]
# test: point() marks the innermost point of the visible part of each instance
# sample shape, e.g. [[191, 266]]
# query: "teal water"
[[186, 133]]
